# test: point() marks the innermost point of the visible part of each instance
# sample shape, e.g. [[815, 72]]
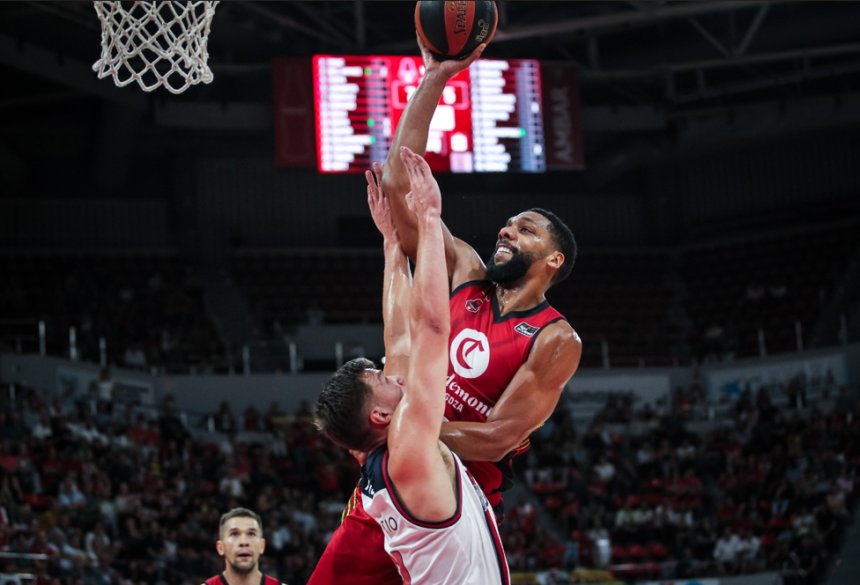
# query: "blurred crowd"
[[118, 494], [111, 495], [764, 489]]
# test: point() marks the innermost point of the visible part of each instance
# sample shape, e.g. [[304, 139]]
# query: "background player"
[[438, 525], [241, 542]]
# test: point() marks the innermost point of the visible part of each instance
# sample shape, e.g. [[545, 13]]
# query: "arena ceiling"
[[650, 70]]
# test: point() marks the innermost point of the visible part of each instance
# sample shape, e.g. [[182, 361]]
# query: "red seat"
[[637, 552], [40, 502], [619, 553], [658, 551], [777, 523], [654, 499]]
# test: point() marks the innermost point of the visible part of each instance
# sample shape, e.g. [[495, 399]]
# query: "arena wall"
[[201, 393]]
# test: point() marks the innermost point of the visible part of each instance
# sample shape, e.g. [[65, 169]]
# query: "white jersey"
[[463, 550]]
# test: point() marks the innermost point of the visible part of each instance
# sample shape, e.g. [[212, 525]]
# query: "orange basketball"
[[452, 30]]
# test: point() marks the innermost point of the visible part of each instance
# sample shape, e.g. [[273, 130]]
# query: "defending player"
[[241, 542], [438, 525], [356, 552]]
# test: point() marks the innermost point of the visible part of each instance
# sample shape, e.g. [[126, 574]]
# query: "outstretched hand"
[[448, 68], [380, 210], [425, 199]]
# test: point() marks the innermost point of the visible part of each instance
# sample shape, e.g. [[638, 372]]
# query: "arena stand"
[[621, 297], [654, 491], [145, 305], [313, 286], [672, 497], [649, 307], [735, 289], [157, 488]]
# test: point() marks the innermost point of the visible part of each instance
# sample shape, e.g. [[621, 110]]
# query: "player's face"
[[241, 544], [522, 241]]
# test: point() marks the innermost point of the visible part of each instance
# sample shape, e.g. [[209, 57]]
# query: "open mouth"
[[245, 556], [504, 249]]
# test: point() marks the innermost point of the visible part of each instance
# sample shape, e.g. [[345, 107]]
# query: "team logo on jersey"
[[470, 353], [526, 329], [472, 305]]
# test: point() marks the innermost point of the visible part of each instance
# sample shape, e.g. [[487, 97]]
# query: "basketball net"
[[155, 43]]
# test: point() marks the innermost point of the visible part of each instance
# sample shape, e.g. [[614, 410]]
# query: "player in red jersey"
[[241, 542], [510, 353]]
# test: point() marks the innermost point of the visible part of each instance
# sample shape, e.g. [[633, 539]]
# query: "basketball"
[[452, 30]]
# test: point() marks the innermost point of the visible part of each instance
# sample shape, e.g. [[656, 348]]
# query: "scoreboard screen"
[[489, 119]]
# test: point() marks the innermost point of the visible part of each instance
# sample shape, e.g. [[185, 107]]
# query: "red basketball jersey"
[[221, 580], [486, 350]]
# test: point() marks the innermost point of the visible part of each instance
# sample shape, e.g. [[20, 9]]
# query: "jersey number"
[[404, 574]]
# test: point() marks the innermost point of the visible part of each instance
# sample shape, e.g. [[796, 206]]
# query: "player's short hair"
[[240, 513], [340, 409], [563, 240]]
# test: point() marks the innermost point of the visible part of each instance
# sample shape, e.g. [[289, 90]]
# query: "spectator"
[[747, 549], [70, 497], [805, 524], [686, 451], [625, 525], [836, 502], [96, 542], [104, 388], [231, 486], [726, 552], [43, 429], [225, 422], [604, 469]]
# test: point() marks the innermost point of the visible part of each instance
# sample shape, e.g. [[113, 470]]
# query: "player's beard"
[[512, 270]]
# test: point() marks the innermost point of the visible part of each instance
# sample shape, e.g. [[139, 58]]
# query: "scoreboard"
[[489, 119]]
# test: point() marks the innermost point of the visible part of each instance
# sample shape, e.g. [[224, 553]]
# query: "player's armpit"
[[528, 401]]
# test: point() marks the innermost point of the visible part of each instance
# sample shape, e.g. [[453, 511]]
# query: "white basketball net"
[[155, 43]]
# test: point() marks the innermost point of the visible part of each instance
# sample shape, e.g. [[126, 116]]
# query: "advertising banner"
[[562, 117]]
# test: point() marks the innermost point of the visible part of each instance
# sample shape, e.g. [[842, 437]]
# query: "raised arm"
[[527, 402], [415, 463], [397, 279], [412, 131]]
